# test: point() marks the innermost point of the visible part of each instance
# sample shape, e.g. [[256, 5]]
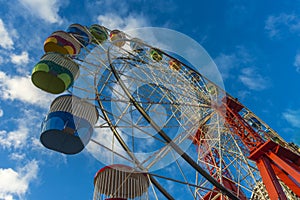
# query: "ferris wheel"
[[162, 128]]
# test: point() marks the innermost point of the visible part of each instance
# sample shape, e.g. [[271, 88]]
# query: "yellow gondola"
[[117, 37], [61, 42], [174, 65]]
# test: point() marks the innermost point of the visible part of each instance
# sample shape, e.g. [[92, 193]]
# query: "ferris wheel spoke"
[[182, 182], [152, 78], [140, 128], [185, 178], [111, 150]]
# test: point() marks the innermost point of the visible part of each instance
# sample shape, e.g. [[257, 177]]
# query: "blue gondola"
[[254, 123], [80, 33], [68, 126]]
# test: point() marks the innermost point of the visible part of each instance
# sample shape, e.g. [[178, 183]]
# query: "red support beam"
[[270, 180], [284, 163], [271, 158], [284, 166], [240, 127], [287, 179]]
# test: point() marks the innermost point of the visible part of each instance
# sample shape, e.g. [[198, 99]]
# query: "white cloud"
[[23, 130], [230, 63], [253, 80], [236, 66], [45, 9], [17, 156], [297, 62], [114, 21], [16, 182], [1, 112], [6, 41], [16, 138], [226, 63], [21, 88], [276, 25], [293, 117], [1, 60], [21, 59]]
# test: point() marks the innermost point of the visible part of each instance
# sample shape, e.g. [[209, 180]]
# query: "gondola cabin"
[[117, 37], [137, 46], [99, 33], [54, 73], [212, 89], [68, 126], [156, 55], [81, 34], [194, 77], [120, 182], [61, 42], [174, 65], [254, 123]]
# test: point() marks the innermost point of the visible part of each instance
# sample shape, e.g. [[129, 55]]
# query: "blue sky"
[[255, 44]]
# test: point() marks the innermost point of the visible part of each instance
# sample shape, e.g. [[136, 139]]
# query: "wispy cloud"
[[297, 62], [21, 88], [22, 134], [292, 117], [21, 59], [17, 156], [1, 112], [44, 9], [15, 183], [6, 41], [114, 21], [225, 63], [253, 80], [277, 25], [17, 139], [241, 65]]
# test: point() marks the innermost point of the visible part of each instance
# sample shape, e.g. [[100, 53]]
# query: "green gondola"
[[54, 73], [99, 33], [156, 55]]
